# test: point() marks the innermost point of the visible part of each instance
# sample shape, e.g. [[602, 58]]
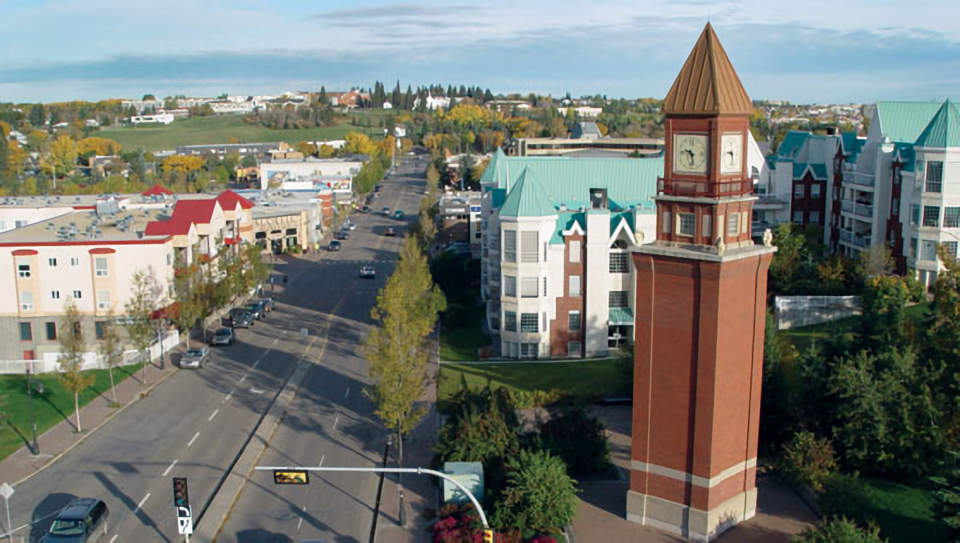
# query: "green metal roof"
[[527, 199], [495, 168], [791, 145], [617, 218], [903, 122], [565, 180], [852, 145], [565, 221], [943, 130], [819, 170], [620, 316], [907, 155]]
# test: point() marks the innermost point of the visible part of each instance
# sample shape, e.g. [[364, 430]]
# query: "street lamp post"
[[33, 420]]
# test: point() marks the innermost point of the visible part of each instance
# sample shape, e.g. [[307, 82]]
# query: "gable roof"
[[527, 199], [792, 144], [819, 171], [185, 214], [903, 122], [852, 145], [229, 199], [943, 130], [157, 190], [708, 84]]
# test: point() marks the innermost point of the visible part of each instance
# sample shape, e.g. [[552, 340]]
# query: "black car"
[[342, 235], [82, 520], [333, 246], [241, 318]]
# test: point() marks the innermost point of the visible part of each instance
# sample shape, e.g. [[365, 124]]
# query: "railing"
[[91, 360], [859, 178], [858, 240], [863, 210], [675, 187], [770, 200]]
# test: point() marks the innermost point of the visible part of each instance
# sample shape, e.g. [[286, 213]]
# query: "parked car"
[[390, 232], [195, 358], [342, 235], [256, 309], [365, 209], [349, 225], [268, 304], [367, 272], [82, 520], [385, 211], [333, 246], [223, 336], [241, 318], [377, 187], [398, 214]]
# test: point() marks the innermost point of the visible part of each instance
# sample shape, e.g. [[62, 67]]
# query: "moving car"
[[365, 209], [398, 214], [342, 235], [223, 336], [377, 187], [367, 272], [349, 225], [390, 232], [256, 309], [333, 246], [81, 521], [241, 318], [385, 211], [195, 358], [268, 303]]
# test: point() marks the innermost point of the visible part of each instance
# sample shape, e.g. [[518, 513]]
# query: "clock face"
[[689, 153], [731, 153]]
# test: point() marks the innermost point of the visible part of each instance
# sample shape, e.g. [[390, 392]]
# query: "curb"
[[97, 427]]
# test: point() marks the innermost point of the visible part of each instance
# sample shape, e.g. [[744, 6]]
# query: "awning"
[[620, 316]]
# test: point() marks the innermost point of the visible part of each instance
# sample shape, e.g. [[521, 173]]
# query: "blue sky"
[[810, 51]]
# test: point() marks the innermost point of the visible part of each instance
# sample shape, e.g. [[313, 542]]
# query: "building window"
[[23, 269], [931, 216], [77, 295], [895, 207], [55, 294], [688, 223], [574, 286], [529, 287], [934, 177], [510, 286], [814, 217], [619, 263], [798, 216], [52, 262], [928, 251], [618, 298], [529, 246], [666, 223], [509, 321], [951, 217], [74, 261], [529, 350], [103, 299], [573, 348], [951, 248], [798, 191], [26, 301], [510, 245], [575, 251], [544, 287], [914, 215], [733, 224], [913, 248], [51, 331], [100, 263], [573, 319], [529, 323], [815, 190], [26, 331], [99, 329]]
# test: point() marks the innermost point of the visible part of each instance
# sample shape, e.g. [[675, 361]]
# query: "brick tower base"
[[688, 522]]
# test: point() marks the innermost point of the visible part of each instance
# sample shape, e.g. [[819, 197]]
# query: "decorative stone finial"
[[767, 238], [721, 246]]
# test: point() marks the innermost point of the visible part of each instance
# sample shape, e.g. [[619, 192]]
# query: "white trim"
[[575, 230], [696, 480], [623, 225]]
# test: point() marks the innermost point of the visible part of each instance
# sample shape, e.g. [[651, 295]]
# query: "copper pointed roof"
[[707, 84]]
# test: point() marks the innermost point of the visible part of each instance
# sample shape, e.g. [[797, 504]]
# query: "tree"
[[884, 322], [359, 143], [71, 356], [4, 157], [139, 308], [947, 504], [62, 156], [187, 293], [111, 349], [579, 440], [433, 177], [538, 495], [876, 261], [808, 460], [839, 530], [98, 146], [37, 116]]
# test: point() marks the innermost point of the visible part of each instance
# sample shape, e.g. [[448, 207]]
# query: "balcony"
[[863, 210], [855, 239], [862, 179], [733, 187], [770, 201]]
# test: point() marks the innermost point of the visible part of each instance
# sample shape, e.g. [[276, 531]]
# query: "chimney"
[[598, 198]]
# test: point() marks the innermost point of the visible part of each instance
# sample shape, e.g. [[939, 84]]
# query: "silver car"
[[195, 358]]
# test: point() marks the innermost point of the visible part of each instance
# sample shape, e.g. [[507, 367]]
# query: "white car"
[[349, 226], [195, 358], [367, 272]]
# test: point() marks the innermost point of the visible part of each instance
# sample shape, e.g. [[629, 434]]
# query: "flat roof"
[[87, 229]]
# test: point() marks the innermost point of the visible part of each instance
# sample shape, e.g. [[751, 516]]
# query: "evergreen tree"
[[538, 496], [37, 116], [407, 99], [487, 96], [4, 158]]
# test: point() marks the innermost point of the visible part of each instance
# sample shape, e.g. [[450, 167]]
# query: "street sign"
[[290, 477], [184, 520], [304, 332], [6, 491]]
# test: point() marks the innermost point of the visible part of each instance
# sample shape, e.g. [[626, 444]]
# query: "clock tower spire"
[[701, 308]]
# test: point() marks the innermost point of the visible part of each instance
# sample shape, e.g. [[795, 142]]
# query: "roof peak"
[[527, 199], [943, 130], [707, 84]]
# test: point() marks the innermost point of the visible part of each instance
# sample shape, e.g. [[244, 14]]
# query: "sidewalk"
[[59, 440]]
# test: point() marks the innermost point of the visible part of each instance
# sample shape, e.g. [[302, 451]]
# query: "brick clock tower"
[[701, 290]]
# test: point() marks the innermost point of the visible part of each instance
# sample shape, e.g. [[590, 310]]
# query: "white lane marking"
[[255, 364], [140, 505], [194, 438], [114, 538], [275, 341], [256, 390], [170, 467], [285, 333], [347, 393], [244, 378], [301, 520], [213, 415], [321, 460], [335, 422], [227, 397]]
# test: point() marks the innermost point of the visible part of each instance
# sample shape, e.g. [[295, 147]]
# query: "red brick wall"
[[559, 327]]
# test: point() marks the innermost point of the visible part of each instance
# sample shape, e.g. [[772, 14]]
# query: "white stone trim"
[[696, 480], [575, 230], [623, 226]]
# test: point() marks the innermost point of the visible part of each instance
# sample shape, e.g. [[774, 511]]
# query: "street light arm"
[[418, 471]]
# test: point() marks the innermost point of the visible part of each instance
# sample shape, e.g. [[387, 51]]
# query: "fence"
[[91, 360], [798, 311]]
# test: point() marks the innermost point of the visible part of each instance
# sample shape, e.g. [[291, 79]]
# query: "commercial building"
[[458, 217], [572, 147], [310, 174]]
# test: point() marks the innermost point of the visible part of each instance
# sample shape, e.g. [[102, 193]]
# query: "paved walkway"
[[63, 437]]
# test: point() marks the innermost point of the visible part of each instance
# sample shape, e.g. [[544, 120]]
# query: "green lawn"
[[802, 338], [53, 406], [461, 344], [219, 129], [591, 377], [903, 513]]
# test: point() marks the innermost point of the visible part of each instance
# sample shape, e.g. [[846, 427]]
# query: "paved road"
[[196, 423]]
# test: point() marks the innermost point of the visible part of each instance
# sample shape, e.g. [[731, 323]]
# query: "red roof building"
[[157, 190]]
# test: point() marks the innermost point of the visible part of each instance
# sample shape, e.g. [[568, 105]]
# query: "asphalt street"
[[195, 424]]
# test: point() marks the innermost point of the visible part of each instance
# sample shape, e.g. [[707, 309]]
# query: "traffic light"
[[180, 496], [488, 536]]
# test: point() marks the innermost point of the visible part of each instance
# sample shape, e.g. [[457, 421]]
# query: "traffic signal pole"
[[488, 533]]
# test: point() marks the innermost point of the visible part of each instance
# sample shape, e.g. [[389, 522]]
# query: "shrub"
[[538, 495], [527, 399], [579, 440], [458, 525], [839, 530], [808, 460], [947, 497], [845, 496]]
